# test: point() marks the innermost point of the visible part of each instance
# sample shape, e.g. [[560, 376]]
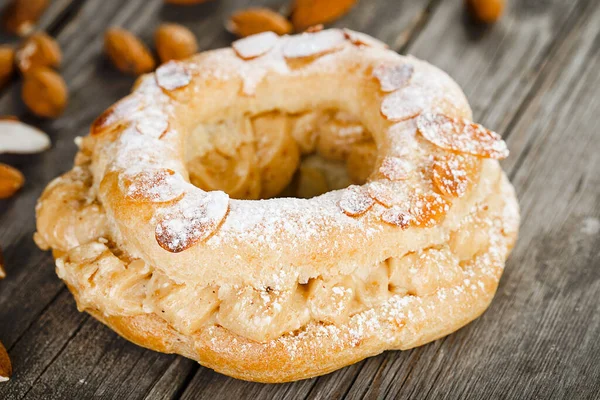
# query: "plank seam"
[[185, 383], [58, 353], [419, 25], [37, 317], [561, 36]]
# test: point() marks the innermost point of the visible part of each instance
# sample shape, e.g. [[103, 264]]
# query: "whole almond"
[[5, 365], [486, 11], [127, 52], [44, 92], [174, 42], [7, 64], [38, 50], [11, 180], [2, 273], [306, 13], [21, 16], [256, 20]]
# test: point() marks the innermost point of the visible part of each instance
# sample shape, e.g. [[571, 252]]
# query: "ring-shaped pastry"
[[284, 288]]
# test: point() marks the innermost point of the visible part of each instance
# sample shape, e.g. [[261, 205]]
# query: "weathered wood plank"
[[63, 354], [531, 343]]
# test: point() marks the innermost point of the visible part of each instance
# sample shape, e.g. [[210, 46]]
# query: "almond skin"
[[7, 64], [2, 276], [127, 52], [21, 16], [486, 11], [11, 180], [256, 20], [44, 92], [174, 42], [5, 365], [38, 50], [307, 13]]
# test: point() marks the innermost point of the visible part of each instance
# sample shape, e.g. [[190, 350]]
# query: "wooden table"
[[534, 77]]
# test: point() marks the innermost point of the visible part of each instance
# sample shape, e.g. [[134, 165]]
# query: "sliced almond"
[[397, 216], [255, 45], [403, 104], [193, 219], [362, 39], [313, 12], [127, 52], [174, 42], [2, 271], [173, 75], [7, 64], [21, 16], [356, 201], [5, 365], [20, 138], [256, 20], [393, 77], [461, 135], [39, 50], [313, 44], [453, 174], [11, 180], [44, 92]]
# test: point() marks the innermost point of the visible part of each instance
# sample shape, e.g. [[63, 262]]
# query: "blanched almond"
[[44, 92], [11, 180], [39, 50], [19, 138], [127, 52], [256, 20], [21, 16], [174, 42], [307, 13]]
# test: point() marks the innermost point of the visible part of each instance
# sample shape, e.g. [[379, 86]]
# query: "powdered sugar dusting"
[[255, 45], [172, 75], [152, 185], [313, 44], [154, 123], [395, 168], [355, 201], [194, 218], [381, 192]]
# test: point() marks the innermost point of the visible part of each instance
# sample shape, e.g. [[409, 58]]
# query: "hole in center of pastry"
[[280, 155]]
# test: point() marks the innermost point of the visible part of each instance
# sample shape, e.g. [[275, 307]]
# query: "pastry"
[[169, 230]]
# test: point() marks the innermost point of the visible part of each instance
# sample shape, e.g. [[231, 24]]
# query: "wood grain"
[[532, 77]]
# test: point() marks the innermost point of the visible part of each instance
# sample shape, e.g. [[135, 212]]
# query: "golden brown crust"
[[284, 289]]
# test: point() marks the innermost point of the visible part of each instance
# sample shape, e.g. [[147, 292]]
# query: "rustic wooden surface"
[[534, 77]]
